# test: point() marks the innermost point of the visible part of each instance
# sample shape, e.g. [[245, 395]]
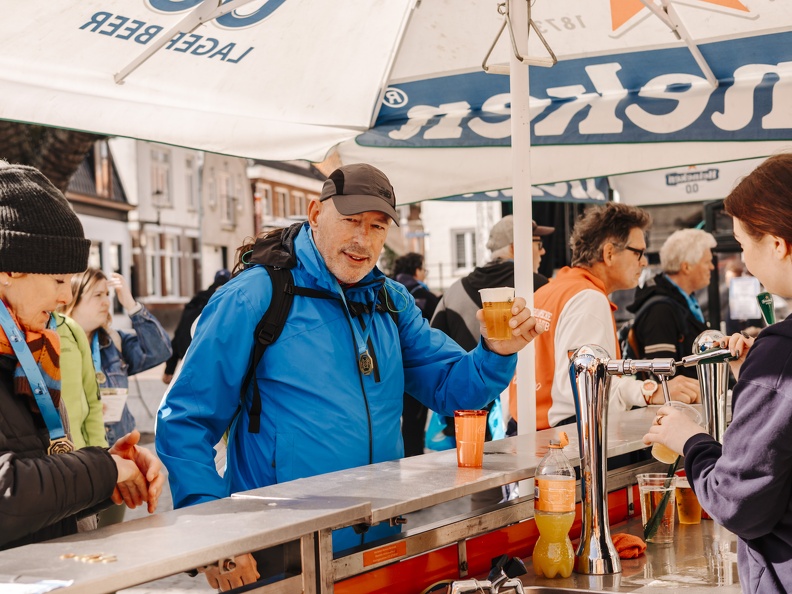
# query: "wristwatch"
[[648, 388]]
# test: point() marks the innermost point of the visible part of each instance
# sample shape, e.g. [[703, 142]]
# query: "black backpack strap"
[[267, 331]]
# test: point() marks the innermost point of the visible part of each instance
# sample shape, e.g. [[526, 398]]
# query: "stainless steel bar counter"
[[307, 509]]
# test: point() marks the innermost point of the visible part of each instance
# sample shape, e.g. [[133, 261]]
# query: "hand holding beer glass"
[[497, 305], [674, 424]]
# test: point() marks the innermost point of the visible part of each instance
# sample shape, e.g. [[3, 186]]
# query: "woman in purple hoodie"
[[745, 484]]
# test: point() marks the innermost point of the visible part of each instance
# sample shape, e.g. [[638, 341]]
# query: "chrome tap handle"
[[710, 359], [707, 357], [660, 367]]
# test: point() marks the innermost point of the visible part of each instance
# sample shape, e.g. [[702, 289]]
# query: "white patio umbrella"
[[287, 79], [639, 85]]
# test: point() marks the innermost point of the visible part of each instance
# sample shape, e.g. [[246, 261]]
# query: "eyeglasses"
[[539, 242], [636, 251]]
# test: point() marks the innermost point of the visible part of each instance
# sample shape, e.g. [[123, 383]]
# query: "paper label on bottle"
[[555, 494]]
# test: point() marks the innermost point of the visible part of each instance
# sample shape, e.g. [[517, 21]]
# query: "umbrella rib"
[[206, 11], [671, 18]]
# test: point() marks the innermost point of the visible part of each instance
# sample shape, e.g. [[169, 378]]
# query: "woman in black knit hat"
[[45, 486]]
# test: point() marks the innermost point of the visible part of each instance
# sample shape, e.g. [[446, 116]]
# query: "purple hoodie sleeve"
[[746, 484]]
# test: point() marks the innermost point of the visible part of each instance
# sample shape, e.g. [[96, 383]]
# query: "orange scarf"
[[45, 347]]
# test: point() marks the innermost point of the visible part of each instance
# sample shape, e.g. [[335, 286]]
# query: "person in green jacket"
[[80, 393], [79, 387]]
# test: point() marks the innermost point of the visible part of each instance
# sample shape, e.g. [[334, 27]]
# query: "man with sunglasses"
[[608, 254]]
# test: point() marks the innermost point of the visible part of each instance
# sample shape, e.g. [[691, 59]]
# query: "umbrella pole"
[[523, 210]]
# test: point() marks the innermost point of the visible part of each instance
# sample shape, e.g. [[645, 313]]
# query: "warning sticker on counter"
[[393, 551]]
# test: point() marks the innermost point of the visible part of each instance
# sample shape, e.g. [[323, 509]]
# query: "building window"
[[263, 199], [161, 179], [281, 203], [190, 183], [227, 200], [230, 211], [464, 248], [211, 190], [115, 257], [103, 169], [238, 193], [171, 259], [300, 208], [153, 255], [95, 255], [194, 263]]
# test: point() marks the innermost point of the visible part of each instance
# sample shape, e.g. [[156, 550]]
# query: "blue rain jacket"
[[319, 412]]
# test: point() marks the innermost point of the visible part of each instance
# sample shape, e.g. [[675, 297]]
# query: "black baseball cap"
[[360, 188], [540, 231]]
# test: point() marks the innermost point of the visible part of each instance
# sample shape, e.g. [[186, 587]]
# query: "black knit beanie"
[[39, 232]]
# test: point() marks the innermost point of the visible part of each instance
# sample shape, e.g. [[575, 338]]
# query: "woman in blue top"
[[745, 484]]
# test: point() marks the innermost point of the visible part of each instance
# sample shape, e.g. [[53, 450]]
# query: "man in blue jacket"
[[331, 385]]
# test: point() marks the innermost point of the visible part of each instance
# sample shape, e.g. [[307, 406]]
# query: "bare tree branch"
[[57, 153]]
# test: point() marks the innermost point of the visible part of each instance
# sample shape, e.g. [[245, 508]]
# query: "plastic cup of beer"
[[497, 304], [470, 427], [657, 489], [688, 507], [660, 452]]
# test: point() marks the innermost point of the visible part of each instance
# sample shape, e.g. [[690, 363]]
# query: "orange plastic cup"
[[470, 426]]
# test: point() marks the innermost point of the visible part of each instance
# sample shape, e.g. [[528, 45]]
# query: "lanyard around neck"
[[96, 356], [365, 362], [33, 374]]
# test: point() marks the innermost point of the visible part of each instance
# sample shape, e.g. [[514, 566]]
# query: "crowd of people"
[[383, 351]]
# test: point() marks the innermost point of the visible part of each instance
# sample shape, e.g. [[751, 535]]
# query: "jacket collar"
[[571, 273]]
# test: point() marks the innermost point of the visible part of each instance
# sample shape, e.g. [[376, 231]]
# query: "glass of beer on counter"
[[688, 507], [657, 497], [497, 304], [660, 452]]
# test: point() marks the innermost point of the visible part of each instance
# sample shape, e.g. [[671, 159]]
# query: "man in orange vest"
[[608, 254]]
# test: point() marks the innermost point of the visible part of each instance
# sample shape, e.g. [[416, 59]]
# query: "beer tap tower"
[[713, 380], [590, 371]]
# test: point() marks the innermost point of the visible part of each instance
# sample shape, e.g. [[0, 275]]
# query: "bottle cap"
[[561, 442]]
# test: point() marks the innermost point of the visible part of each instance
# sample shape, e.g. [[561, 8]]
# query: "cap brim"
[[542, 231], [356, 204]]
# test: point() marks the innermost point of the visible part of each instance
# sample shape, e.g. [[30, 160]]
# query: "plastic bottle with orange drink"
[[554, 512]]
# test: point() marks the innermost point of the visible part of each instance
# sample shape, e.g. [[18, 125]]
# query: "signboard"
[[695, 183]]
